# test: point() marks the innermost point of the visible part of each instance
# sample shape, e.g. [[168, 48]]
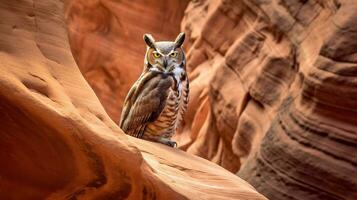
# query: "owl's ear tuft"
[[180, 39], [149, 40]]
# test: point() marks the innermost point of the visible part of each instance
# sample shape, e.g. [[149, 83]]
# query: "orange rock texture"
[[273, 83], [56, 140], [243, 60], [273, 93]]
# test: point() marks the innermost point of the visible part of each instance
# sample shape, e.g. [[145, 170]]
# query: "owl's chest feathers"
[[165, 125]]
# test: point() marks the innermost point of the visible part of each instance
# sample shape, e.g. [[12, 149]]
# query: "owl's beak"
[[165, 64]]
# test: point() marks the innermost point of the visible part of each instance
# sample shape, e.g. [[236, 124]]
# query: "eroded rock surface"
[[239, 78], [310, 148], [57, 142], [275, 87], [272, 83]]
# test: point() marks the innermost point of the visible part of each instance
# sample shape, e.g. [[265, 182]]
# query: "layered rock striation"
[[275, 87], [309, 149], [272, 93], [56, 140], [239, 78]]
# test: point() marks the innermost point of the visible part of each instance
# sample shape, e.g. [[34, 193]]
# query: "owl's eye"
[[173, 54], [156, 54]]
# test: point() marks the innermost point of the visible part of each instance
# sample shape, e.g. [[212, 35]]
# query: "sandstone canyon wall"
[[274, 84], [56, 140], [273, 89]]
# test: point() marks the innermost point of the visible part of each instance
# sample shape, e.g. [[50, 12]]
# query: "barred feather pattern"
[[155, 106], [172, 115], [183, 100]]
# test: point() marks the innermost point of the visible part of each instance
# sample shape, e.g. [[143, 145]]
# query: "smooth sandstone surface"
[[56, 140]]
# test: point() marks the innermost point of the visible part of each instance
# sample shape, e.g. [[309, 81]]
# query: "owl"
[[156, 103]]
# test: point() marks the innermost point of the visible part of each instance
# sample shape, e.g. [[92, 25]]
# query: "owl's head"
[[164, 56]]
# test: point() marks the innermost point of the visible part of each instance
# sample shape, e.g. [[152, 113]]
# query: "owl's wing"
[[144, 104], [183, 100]]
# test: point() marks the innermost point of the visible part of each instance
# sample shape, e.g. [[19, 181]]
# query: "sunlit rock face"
[[56, 140], [273, 94], [106, 39]]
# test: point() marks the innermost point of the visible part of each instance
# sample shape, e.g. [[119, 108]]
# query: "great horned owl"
[[157, 101]]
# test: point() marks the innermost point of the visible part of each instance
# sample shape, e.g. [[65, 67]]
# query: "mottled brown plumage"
[[156, 103]]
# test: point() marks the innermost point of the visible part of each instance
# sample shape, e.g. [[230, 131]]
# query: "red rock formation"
[[238, 79], [106, 41], [57, 142], [272, 84], [309, 152], [282, 68]]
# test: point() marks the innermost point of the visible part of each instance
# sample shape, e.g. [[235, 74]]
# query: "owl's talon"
[[170, 143]]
